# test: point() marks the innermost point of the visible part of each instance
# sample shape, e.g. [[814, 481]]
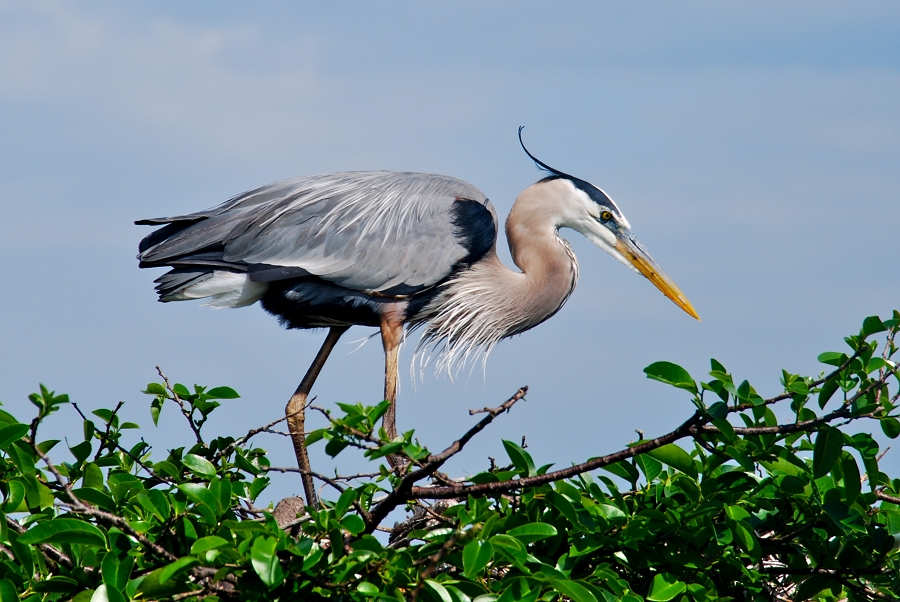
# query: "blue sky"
[[753, 146]]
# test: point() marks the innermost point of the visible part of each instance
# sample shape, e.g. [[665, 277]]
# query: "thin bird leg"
[[391, 337], [296, 412]]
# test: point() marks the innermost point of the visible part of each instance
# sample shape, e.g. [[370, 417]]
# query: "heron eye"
[[605, 215]]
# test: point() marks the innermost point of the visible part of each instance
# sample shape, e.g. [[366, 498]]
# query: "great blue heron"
[[388, 249]]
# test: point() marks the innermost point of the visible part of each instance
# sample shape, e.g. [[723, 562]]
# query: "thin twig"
[[251, 433], [328, 481], [184, 411], [134, 458], [845, 572], [433, 562], [403, 490], [104, 438], [788, 395], [355, 432]]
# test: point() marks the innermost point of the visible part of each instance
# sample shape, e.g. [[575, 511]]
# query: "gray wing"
[[385, 232]]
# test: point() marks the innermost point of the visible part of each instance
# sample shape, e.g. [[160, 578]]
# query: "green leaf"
[[675, 457], [93, 477], [155, 389], [747, 540], [439, 590], [265, 562], [665, 587], [64, 530], [610, 512], [11, 433], [151, 588], [890, 427], [827, 450], [476, 556], [107, 594], [624, 470], [116, 572], [573, 590], [719, 410], [81, 451], [155, 408], [154, 501], [725, 428], [509, 545], [314, 436], [520, 458], [199, 466], [671, 374], [852, 482], [828, 389], [367, 589], [813, 586], [8, 591], [652, 468], [15, 497], [872, 325], [832, 358], [353, 524], [210, 542], [532, 532], [222, 393], [176, 568], [348, 496], [57, 584], [336, 446]]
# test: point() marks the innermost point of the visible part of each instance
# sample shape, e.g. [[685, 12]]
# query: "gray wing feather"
[[370, 231]]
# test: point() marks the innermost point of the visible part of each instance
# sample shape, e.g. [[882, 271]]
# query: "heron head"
[[590, 211]]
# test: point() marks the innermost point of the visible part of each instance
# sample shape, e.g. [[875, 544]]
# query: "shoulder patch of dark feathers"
[[473, 226]]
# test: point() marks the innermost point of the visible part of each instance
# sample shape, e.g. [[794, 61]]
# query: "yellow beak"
[[641, 260]]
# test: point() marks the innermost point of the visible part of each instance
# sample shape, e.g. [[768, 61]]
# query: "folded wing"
[[390, 233]]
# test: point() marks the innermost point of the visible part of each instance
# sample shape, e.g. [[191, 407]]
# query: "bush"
[[731, 504]]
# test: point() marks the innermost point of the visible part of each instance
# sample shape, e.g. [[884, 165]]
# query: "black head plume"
[[540, 163], [597, 195]]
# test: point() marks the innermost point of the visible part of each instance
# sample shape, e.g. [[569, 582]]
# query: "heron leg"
[[391, 337], [296, 412]]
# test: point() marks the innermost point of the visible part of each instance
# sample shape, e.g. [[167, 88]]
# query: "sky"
[[754, 147]]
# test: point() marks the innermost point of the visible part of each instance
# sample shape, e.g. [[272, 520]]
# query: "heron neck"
[[548, 264], [489, 302]]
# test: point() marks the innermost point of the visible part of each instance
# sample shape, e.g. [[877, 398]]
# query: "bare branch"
[[881, 495], [404, 488], [51, 555], [463, 490]]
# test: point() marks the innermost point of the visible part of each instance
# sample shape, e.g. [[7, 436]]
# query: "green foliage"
[[731, 505]]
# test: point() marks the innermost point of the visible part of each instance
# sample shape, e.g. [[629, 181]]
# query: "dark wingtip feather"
[[174, 281]]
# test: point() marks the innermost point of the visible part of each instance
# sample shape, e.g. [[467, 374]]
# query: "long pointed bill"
[[631, 250]]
